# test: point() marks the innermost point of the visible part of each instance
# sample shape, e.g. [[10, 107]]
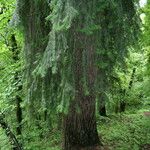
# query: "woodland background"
[[74, 75]]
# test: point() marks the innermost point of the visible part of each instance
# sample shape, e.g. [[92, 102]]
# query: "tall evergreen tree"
[[95, 36], [86, 37]]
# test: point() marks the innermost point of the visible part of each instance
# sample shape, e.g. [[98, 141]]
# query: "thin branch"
[[13, 140]]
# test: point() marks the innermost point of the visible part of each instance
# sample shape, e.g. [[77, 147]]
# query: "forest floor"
[[126, 131]]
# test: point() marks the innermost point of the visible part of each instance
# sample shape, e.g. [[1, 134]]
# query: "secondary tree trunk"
[[17, 80], [123, 103], [132, 78], [102, 105], [102, 111]]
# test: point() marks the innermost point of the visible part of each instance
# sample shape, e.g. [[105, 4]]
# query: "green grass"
[[125, 132], [118, 132]]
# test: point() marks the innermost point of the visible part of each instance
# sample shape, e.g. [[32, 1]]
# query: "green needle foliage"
[[110, 27]]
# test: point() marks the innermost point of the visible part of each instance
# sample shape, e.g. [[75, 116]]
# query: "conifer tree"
[[86, 37]]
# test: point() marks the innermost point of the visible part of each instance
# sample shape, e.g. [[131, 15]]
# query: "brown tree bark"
[[80, 128], [80, 131]]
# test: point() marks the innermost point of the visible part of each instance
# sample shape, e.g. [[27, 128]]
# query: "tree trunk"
[[80, 131], [102, 105], [102, 111], [18, 114], [132, 78], [80, 127], [122, 106], [17, 80], [123, 103]]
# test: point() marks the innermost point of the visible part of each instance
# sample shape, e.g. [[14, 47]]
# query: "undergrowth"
[[125, 131], [117, 132]]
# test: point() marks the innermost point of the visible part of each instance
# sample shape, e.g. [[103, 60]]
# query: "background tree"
[[11, 72], [146, 33]]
